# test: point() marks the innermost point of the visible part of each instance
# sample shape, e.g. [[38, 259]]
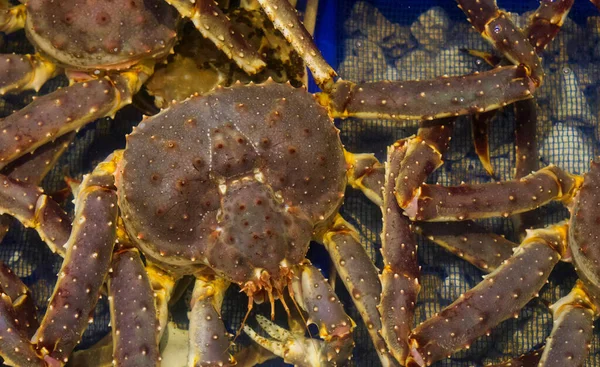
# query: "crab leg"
[[498, 297], [365, 173], [497, 28], [83, 272], [12, 18], [545, 23], [285, 19], [430, 99], [214, 25], [571, 337], [15, 348], [480, 128], [163, 285], [65, 110], [208, 339], [400, 275], [526, 155], [33, 209], [313, 294], [439, 203], [132, 312], [360, 277], [485, 250], [22, 72], [22, 301], [423, 156]]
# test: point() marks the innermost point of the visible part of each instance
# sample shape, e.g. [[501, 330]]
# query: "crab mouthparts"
[[265, 286]]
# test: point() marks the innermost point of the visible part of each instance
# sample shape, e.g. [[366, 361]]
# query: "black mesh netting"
[[378, 40]]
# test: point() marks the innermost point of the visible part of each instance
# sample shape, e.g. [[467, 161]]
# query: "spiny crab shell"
[[103, 35], [238, 180]]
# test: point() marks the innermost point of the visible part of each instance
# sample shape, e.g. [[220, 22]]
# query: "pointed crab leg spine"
[[132, 311], [475, 244], [15, 348], [547, 20], [360, 277], [214, 25], [23, 72], [65, 110], [497, 28], [570, 341], [325, 310], [83, 272], [430, 99], [400, 275], [498, 297], [439, 203], [12, 19], [208, 339], [285, 19]]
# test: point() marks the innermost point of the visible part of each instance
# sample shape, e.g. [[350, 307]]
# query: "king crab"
[[247, 190]]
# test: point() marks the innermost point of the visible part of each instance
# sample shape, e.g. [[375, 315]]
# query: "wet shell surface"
[[101, 34], [238, 179]]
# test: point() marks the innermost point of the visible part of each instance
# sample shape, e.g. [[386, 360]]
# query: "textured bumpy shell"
[[21, 72], [360, 277], [324, 309], [439, 203], [497, 28], [103, 35], [583, 233], [430, 99], [208, 338], [133, 312], [400, 275], [180, 165], [546, 21], [22, 301], [84, 269], [15, 348], [53, 115], [499, 296], [469, 241], [571, 337]]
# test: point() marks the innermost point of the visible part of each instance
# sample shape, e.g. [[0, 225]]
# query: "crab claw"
[[293, 348]]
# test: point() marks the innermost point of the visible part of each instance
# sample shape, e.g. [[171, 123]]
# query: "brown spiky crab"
[[230, 187]]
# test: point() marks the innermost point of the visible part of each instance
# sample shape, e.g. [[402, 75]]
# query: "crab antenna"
[[304, 321], [239, 330]]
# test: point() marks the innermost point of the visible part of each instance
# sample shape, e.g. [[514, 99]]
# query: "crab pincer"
[[86, 264], [314, 295], [498, 297], [400, 275], [132, 311], [22, 72], [440, 203]]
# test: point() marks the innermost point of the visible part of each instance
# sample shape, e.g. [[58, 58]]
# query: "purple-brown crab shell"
[[105, 34], [239, 179]]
